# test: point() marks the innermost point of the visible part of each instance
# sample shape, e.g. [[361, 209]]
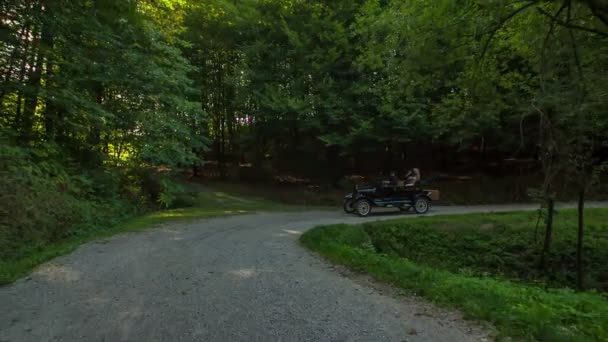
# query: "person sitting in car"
[[392, 179], [412, 177]]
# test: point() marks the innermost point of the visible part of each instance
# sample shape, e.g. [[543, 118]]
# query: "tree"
[[567, 102]]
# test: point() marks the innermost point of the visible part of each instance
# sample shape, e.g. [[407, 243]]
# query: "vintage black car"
[[395, 195]]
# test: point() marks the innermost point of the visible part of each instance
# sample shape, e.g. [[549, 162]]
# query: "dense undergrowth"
[[481, 265], [44, 200], [506, 245]]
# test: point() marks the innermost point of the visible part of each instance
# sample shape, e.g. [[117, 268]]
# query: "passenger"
[[412, 177]]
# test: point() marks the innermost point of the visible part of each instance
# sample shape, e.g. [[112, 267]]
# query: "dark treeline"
[[101, 101], [328, 89]]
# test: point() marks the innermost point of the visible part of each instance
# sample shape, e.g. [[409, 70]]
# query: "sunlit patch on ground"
[[171, 230], [97, 300], [235, 211], [167, 214], [289, 232], [225, 196], [243, 273], [195, 213], [58, 273]]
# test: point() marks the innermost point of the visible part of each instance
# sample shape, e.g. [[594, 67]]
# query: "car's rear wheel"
[[363, 207], [421, 205], [348, 206]]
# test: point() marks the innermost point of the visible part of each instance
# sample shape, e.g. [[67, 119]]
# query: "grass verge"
[[504, 245], [518, 310], [209, 204]]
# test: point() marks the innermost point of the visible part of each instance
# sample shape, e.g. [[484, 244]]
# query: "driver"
[[393, 180]]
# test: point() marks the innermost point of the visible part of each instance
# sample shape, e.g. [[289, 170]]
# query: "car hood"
[[365, 188], [361, 189]]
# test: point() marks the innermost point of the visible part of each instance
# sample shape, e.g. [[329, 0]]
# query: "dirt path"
[[242, 278]]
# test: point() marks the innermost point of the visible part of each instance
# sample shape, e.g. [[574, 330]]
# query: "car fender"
[[365, 197], [425, 196]]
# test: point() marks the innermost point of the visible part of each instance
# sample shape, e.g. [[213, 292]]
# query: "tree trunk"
[[216, 137], [29, 110], [94, 135], [222, 149], [540, 214], [22, 71], [12, 62], [548, 235], [194, 171], [51, 114], [331, 154], [579, 241]]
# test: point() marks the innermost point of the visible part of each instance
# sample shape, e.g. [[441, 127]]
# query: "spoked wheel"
[[363, 207], [421, 205], [348, 207]]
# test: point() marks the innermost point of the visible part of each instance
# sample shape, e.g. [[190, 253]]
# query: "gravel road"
[[240, 278]]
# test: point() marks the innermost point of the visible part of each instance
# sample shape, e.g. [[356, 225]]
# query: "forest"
[[106, 106]]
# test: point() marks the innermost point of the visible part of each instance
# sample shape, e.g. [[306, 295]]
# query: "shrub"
[[42, 202]]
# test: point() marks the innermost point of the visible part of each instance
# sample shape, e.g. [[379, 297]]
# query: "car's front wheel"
[[363, 207], [348, 206], [421, 205]]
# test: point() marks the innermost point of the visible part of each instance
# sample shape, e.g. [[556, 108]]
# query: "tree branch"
[[599, 9], [546, 42], [503, 22], [575, 47], [570, 25]]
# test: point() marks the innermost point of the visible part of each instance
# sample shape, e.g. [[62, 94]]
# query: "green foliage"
[[96, 105], [342, 85], [43, 201], [521, 311], [167, 195]]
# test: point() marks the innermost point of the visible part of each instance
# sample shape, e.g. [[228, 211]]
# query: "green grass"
[[243, 198], [309, 196], [518, 309], [210, 203]]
